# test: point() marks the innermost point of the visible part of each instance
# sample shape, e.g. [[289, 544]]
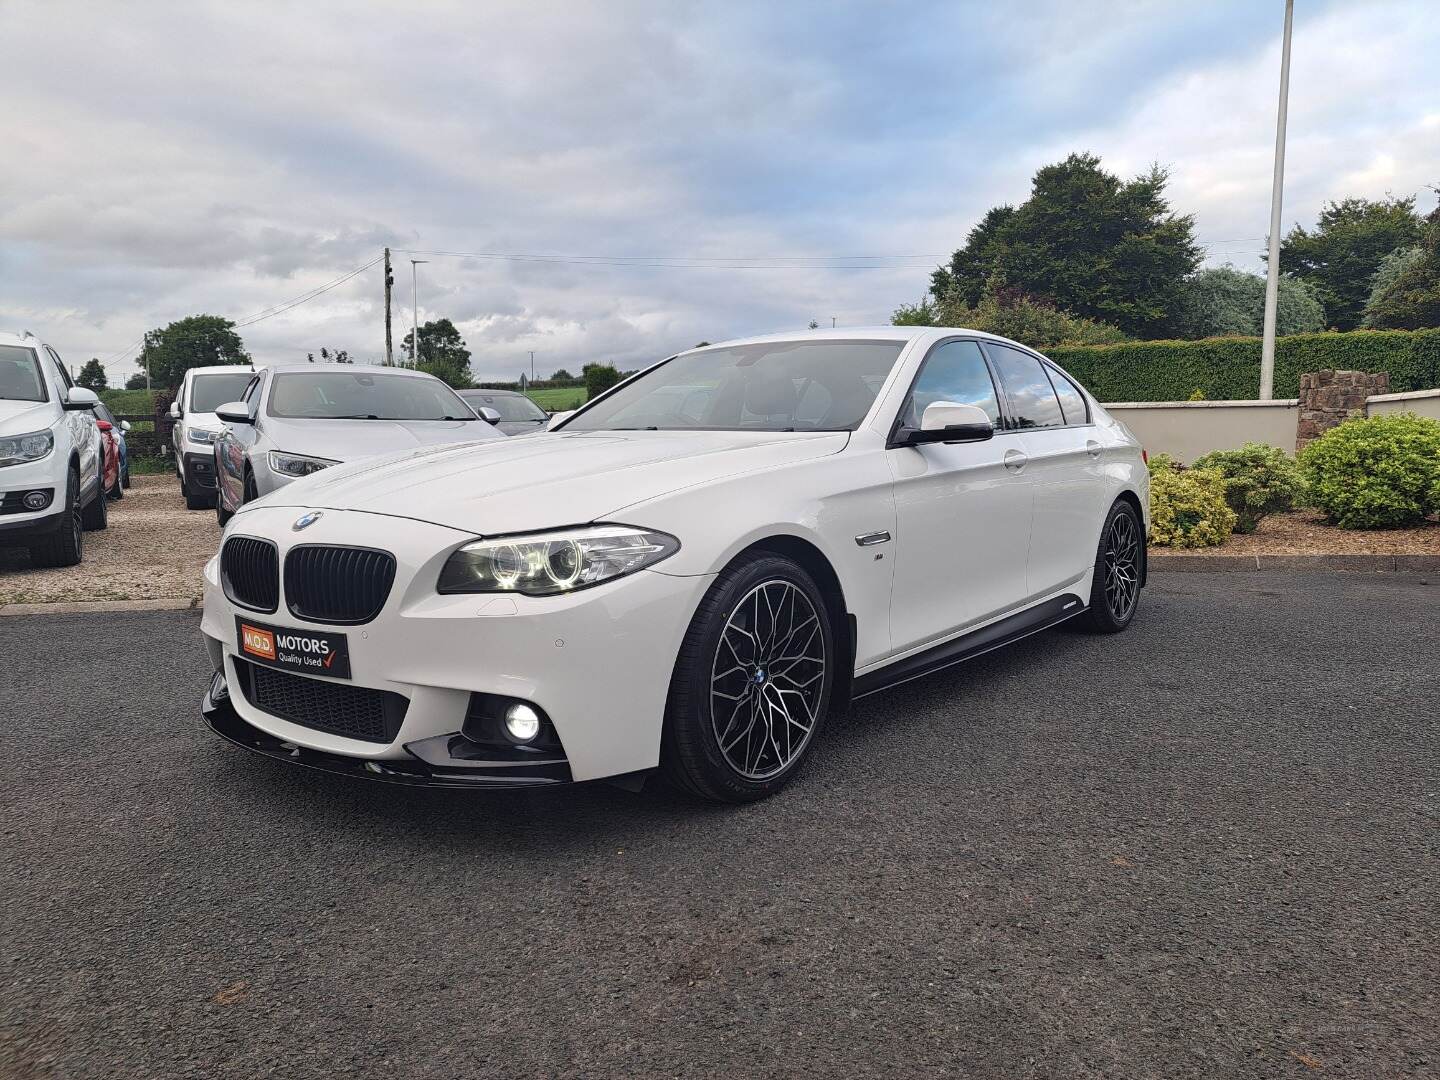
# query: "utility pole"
[[832, 322], [389, 284], [1272, 279], [532, 365], [415, 304]]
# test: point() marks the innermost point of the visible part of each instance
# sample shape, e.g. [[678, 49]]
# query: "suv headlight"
[[17, 449], [201, 436], [297, 464], [548, 563]]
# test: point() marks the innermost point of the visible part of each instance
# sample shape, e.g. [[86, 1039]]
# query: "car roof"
[[25, 338], [370, 369], [489, 393], [856, 333], [222, 369]]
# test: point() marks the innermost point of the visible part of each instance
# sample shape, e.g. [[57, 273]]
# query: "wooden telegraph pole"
[[389, 282]]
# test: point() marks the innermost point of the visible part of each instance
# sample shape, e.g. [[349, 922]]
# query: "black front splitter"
[[451, 772]]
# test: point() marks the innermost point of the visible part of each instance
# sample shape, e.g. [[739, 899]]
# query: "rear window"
[[509, 408], [20, 378], [209, 392]]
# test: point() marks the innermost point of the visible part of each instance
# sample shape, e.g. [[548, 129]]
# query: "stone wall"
[[1328, 398]]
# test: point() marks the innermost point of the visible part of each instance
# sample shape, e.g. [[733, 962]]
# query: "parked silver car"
[[295, 420], [513, 413]]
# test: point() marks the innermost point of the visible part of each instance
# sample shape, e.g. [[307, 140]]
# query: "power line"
[[686, 262], [286, 305]]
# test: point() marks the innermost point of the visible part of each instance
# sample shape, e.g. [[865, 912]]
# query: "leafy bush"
[[1259, 480], [1011, 313], [1412, 298], [1229, 368], [1382, 472], [599, 378], [1187, 507], [1223, 300]]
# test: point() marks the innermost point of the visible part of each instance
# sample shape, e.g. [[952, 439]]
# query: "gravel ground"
[[153, 549], [1207, 848]]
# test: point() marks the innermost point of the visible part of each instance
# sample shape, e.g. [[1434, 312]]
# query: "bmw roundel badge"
[[306, 520]]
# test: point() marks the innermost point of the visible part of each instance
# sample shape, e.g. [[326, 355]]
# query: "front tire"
[[752, 683], [1119, 567], [66, 545]]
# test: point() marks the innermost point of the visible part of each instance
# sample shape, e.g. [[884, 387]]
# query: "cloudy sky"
[[702, 170]]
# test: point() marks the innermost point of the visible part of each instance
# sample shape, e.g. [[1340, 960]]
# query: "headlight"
[[297, 464], [201, 436], [15, 449], [548, 563]]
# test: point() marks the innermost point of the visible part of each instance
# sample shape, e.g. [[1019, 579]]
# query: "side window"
[[1072, 401], [60, 366], [1032, 399], [955, 372], [249, 395]]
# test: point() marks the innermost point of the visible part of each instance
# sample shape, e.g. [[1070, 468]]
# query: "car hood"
[[348, 440], [23, 417], [547, 480]]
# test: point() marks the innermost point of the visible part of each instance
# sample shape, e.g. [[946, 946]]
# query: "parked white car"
[[651, 585], [50, 476], [197, 427], [295, 420]]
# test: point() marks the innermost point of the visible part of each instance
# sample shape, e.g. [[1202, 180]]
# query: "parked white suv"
[[50, 488], [197, 427]]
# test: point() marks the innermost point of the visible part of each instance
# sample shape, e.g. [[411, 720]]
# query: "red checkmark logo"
[[330, 658]]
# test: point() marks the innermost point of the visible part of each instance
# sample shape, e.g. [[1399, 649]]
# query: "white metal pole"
[[415, 309], [1272, 278]]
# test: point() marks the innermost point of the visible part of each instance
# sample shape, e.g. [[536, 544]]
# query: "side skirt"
[[957, 650]]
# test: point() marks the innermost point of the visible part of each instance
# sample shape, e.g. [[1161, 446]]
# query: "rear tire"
[[66, 545], [197, 500], [751, 685], [97, 515], [125, 475], [1119, 568]]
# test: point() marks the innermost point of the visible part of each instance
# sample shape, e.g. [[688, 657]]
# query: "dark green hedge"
[[1229, 368]]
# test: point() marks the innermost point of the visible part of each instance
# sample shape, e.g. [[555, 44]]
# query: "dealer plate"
[[309, 652]]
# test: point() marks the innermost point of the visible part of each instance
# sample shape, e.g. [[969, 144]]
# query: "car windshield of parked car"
[[209, 392], [509, 408], [776, 386], [20, 374], [361, 395]]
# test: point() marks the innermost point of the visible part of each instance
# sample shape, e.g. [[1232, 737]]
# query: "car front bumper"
[[200, 469], [598, 661], [17, 523]]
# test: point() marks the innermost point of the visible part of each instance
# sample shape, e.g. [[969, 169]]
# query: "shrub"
[[1376, 473], [1228, 368], [1187, 507], [1259, 480], [599, 378]]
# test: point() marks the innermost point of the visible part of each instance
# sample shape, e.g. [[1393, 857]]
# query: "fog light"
[[522, 722], [36, 500]]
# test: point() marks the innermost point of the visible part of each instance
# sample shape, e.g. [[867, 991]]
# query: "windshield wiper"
[[354, 416]]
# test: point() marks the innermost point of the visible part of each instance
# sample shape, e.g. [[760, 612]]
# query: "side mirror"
[[559, 418], [174, 410], [80, 398], [124, 425], [234, 412], [489, 415], [949, 422], [104, 425]]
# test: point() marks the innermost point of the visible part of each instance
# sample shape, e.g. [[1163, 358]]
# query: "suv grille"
[[337, 584], [356, 712], [250, 573]]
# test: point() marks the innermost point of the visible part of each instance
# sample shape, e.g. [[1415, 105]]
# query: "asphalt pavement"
[[1206, 848]]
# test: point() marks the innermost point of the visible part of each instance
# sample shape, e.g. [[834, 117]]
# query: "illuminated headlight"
[[16, 449], [548, 563], [201, 436], [297, 464]]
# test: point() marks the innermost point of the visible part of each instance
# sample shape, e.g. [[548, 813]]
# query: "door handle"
[[1093, 448], [1015, 460]]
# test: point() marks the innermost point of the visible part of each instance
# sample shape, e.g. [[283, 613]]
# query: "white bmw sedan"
[[689, 574]]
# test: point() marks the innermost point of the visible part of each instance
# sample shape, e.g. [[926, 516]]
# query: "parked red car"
[[109, 460]]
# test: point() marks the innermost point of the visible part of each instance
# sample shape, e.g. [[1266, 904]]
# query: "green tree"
[[1011, 313], [1342, 255], [599, 378], [561, 375], [920, 314], [331, 356], [1411, 300], [136, 381], [92, 376], [1086, 242], [197, 341], [442, 353], [1223, 302]]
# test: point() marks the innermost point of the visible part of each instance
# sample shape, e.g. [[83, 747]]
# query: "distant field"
[[559, 400], [129, 402]]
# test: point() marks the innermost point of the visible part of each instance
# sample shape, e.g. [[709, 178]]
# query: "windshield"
[[778, 386], [509, 407], [209, 392], [360, 395], [20, 374]]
